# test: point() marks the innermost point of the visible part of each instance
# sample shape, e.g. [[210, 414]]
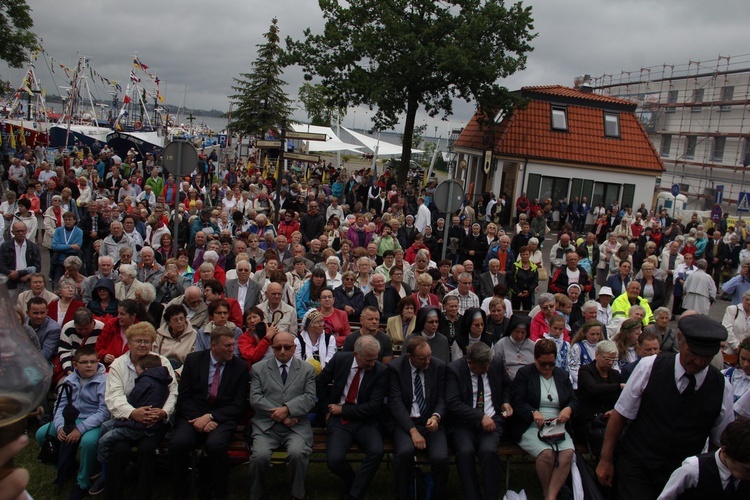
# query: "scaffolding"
[[696, 115]]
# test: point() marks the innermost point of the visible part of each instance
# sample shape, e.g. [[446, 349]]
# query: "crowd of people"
[[347, 307]]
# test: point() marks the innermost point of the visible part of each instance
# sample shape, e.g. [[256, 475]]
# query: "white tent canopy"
[[333, 143], [384, 148]]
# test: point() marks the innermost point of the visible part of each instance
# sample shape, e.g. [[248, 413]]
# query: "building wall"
[[689, 118]]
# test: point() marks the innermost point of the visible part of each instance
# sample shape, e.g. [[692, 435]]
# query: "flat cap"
[[704, 334]]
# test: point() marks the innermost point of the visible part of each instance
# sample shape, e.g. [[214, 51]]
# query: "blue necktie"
[[419, 394], [283, 374]]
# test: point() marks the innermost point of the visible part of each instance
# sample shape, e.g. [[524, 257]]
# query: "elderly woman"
[[175, 339], [472, 331], [111, 343], [184, 270], [53, 218], [606, 251], [333, 277], [103, 302], [583, 348], [699, 291], [666, 334], [66, 242], [313, 343], [364, 268], [547, 309], [397, 282], [128, 284], [126, 258], [423, 296], [211, 257], [523, 280], [218, 311], [62, 309], [516, 349], [626, 340], [736, 322], [652, 289], [145, 295], [404, 322], [541, 393], [120, 382], [254, 344], [599, 387]]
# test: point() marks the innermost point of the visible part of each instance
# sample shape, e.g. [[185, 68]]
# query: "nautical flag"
[[126, 99], [12, 138], [138, 64], [134, 78]]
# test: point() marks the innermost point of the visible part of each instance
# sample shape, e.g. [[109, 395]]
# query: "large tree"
[[402, 55], [15, 32], [259, 99]]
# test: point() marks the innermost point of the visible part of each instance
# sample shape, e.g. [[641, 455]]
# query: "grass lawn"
[[321, 484]]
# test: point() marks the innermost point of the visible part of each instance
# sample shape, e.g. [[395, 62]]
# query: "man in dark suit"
[[489, 279], [212, 398], [352, 388], [477, 392], [18, 279], [417, 403], [243, 289], [283, 392], [382, 297], [716, 254]]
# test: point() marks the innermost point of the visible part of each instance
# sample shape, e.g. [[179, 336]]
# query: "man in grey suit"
[[282, 393], [245, 290], [489, 279]]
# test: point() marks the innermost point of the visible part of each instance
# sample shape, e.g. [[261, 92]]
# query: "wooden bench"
[[240, 454]]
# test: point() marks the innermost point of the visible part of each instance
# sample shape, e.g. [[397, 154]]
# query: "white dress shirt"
[[21, 256], [686, 477], [414, 406], [349, 380], [489, 408]]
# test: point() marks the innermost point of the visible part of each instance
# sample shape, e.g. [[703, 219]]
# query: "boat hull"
[[84, 135], [142, 142]]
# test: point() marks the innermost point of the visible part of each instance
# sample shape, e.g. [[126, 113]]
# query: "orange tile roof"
[[527, 133]]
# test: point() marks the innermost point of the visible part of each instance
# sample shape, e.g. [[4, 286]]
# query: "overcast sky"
[[201, 45]]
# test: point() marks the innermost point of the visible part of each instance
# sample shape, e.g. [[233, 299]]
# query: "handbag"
[[543, 274], [49, 451], [552, 433]]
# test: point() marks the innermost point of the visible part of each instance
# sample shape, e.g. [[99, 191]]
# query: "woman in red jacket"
[[254, 344], [111, 343]]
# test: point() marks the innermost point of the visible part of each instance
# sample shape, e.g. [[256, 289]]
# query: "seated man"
[[477, 393], [212, 398], [283, 392], [417, 403], [352, 387]]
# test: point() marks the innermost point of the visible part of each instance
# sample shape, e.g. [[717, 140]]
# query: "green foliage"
[[15, 26], [404, 55], [259, 99], [318, 105]]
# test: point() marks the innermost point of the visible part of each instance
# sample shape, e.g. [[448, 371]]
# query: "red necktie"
[[214, 390], [351, 396]]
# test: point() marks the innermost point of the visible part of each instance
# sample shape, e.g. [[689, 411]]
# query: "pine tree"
[[260, 102]]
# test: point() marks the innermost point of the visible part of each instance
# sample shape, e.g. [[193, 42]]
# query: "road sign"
[[675, 189], [449, 196], [302, 157], [222, 138], [716, 213], [719, 194], [306, 136], [267, 144], [180, 158], [743, 202]]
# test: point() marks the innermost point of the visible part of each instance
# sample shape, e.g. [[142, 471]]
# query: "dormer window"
[[611, 124], [559, 118]]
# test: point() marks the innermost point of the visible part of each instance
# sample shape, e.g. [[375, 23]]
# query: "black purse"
[[552, 433], [49, 452]]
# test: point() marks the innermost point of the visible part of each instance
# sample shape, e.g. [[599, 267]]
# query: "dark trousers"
[[522, 303], [146, 460], [216, 444], [403, 460], [470, 443], [340, 439], [635, 479]]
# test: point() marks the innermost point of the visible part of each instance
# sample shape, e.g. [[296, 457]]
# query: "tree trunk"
[[408, 136]]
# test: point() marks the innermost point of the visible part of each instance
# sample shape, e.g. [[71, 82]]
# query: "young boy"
[[151, 389], [88, 381], [721, 474], [556, 331]]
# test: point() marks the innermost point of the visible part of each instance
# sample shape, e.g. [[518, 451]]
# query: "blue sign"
[[719, 197], [716, 214], [675, 189], [743, 202], [222, 140]]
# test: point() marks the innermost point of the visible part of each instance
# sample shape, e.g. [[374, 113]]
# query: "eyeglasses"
[[549, 364], [279, 348], [141, 341], [432, 321], [609, 360]]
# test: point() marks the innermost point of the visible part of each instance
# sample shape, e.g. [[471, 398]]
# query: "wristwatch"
[[211, 416]]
